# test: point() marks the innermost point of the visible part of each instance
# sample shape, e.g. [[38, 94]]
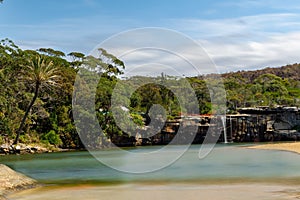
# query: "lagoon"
[[225, 163], [229, 172]]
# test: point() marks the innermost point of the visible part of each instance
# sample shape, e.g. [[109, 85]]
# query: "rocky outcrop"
[[13, 181], [22, 149]]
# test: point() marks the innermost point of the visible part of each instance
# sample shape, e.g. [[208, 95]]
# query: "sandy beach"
[[163, 192], [291, 146]]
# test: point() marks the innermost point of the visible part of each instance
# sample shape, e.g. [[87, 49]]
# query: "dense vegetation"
[[266, 87], [37, 87]]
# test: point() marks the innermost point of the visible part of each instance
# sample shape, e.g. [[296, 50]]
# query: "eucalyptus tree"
[[274, 88], [10, 58], [40, 72]]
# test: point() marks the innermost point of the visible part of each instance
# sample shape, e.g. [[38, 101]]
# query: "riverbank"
[[6, 149], [11, 181], [289, 146]]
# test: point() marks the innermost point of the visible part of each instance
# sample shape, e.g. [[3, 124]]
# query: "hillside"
[[288, 71]]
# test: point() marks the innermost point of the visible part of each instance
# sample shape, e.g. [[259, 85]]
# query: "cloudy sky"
[[235, 34]]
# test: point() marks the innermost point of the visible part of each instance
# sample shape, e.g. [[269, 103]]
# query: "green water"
[[225, 162]]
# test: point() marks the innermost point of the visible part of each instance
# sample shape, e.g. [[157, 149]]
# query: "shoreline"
[[293, 147], [12, 181], [231, 189], [175, 191], [23, 149]]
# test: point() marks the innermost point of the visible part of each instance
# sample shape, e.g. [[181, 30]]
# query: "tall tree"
[[41, 73]]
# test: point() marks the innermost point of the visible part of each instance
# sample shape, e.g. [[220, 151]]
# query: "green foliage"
[[25, 139], [51, 52], [19, 73], [266, 89], [137, 119], [52, 138]]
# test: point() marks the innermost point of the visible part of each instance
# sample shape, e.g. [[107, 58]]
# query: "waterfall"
[[223, 118]]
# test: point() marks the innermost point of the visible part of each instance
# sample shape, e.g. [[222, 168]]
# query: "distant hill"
[[288, 71]]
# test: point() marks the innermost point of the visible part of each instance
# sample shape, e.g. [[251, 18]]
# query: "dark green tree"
[[40, 72]]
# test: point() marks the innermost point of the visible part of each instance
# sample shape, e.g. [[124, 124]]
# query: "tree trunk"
[[36, 92]]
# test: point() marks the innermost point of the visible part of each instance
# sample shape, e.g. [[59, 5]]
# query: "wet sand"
[[292, 146], [242, 191]]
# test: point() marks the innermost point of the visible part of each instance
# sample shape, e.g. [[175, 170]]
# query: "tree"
[[274, 88], [52, 52], [41, 73], [77, 59], [10, 59]]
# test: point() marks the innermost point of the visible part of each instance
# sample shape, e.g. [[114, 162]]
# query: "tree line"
[[37, 88]]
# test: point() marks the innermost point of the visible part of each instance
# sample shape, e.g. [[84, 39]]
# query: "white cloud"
[[244, 43], [248, 42], [160, 47], [274, 51], [247, 25]]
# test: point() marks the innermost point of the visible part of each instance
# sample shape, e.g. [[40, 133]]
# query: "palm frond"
[[42, 71]]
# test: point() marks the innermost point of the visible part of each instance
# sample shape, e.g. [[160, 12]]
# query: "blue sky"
[[236, 34]]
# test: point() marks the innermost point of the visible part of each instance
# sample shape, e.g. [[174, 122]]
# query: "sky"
[[235, 34]]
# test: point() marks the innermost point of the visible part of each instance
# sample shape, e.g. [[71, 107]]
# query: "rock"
[[4, 146], [23, 149], [4, 149], [13, 181], [17, 149]]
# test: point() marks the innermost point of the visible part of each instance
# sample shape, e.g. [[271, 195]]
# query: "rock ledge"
[[13, 181]]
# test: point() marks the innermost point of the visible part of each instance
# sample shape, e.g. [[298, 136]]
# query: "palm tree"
[[41, 73]]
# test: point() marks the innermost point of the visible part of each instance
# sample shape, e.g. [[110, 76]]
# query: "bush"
[[52, 138], [1, 140], [24, 139]]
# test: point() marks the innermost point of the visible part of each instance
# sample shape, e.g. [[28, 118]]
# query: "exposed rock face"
[[12, 181]]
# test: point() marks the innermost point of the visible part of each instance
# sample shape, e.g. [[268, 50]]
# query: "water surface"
[[225, 162]]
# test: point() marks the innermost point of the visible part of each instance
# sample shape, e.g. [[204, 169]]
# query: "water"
[[225, 162]]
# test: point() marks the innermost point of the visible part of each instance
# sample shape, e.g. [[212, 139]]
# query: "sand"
[[293, 146], [13, 181], [163, 192]]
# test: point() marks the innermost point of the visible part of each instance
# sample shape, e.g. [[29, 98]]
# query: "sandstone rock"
[[12, 181], [22, 149]]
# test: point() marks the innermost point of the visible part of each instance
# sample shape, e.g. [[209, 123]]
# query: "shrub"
[[1, 140], [52, 138], [24, 139]]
